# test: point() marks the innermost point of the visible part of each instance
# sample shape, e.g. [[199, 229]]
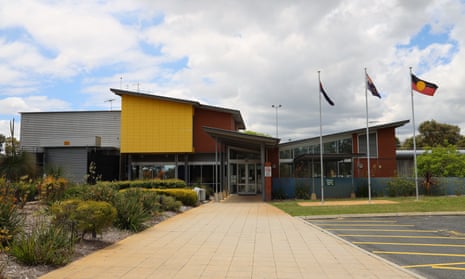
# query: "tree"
[[434, 134], [11, 145], [442, 162], [2, 141], [15, 164]]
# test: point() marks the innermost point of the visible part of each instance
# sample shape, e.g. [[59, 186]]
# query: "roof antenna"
[[111, 103], [121, 82]]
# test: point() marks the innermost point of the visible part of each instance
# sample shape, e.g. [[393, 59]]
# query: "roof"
[[71, 111], [330, 156], [236, 114], [349, 133], [238, 139]]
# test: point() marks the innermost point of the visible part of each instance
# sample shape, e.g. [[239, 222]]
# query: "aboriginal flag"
[[325, 95], [423, 86]]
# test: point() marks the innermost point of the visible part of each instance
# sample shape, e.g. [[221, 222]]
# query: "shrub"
[[99, 192], [400, 186], [84, 216], [131, 213], [169, 203], [94, 217], [278, 193], [52, 189], [24, 190], [75, 192], [302, 192], [46, 244], [151, 183], [11, 220], [187, 197]]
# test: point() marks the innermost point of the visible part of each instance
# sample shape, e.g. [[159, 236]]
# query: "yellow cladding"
[[150, 126]]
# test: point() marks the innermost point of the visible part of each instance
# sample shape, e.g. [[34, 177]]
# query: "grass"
[[408, 204]]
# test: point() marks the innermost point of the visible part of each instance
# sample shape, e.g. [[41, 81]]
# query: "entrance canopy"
[[243, 174], [241, 140]]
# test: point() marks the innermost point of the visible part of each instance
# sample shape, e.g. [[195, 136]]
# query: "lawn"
[[408, 204]]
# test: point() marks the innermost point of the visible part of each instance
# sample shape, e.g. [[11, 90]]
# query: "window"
[[345, 146], [300, 150], [362, 144], [285, 154]]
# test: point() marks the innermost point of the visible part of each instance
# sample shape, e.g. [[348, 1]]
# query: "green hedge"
[[188, 197], [153, 183]]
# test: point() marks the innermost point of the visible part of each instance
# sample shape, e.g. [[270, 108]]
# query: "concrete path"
[[241, 237]]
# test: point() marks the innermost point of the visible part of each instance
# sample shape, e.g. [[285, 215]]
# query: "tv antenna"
[[111, 103]]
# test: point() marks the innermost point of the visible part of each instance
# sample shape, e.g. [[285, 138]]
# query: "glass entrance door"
[[247, 179]]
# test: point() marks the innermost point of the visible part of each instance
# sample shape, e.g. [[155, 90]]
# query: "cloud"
[[245, 55], [13, 105]]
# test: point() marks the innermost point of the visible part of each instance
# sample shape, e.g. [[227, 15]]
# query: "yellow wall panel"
[[154, 126]]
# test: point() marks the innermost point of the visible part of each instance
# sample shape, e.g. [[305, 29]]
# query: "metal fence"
[[338, 187]]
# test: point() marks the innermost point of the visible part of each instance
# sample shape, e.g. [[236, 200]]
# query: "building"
[[344, 154], [201, 144], [67, 142], [162, 137]]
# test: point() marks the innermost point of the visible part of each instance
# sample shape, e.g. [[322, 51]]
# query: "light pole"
[[276, 107]]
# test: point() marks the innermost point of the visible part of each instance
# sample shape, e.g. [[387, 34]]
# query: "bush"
[[169, 203], [84, 216], [400, 186], [302, 192], [99, 192], [11, 220], [187, 197], [151, 183], [46, 244], [131, 213], [278, 193], [25, 191], [52, 189]]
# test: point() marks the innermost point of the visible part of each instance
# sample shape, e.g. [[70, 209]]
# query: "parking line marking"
[[408, 244], [379, 230], [419, 254], [351, 221], [439, 265], [447, 267], [401, 236], [366, 225]]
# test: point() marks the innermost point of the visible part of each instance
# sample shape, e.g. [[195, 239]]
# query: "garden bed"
[[11, 269]]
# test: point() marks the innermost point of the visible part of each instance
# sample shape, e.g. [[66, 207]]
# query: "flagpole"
[[414, 138], [321, 143], [368, 139]]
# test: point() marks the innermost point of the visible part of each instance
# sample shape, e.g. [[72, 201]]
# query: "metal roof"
[[349, 133], [236, 114], [238, 139]]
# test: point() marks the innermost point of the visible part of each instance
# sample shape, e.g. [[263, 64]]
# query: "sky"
[[247, 55]]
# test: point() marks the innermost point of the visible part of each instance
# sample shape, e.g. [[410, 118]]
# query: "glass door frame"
[[249, 183], [246, 177]]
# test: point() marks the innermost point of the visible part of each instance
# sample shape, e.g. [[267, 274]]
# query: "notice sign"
[[267, 171]]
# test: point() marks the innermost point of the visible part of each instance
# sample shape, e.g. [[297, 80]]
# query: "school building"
[[161, 137]]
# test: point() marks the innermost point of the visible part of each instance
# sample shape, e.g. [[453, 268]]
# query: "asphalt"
[[240, 237]]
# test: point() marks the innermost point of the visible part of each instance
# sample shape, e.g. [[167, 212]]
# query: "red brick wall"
[[203, 143], [273, 158], [385, 165]]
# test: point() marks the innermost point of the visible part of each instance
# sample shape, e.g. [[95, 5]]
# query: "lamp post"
[[276, 107]]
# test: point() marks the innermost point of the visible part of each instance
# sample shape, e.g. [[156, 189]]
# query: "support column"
[[268, 187]]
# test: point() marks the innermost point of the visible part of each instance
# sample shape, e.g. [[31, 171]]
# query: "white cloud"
[[245, 55]]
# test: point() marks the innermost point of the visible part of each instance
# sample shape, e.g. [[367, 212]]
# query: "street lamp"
[[276, 107]]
